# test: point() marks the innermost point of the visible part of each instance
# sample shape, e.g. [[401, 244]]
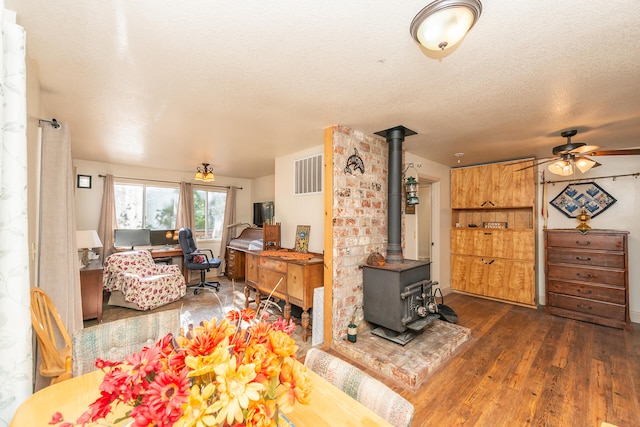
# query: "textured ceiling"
[[173, 84]]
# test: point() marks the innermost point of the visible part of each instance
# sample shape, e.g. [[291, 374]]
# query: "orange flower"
[[294, 385], [282, 344], [261, 414]]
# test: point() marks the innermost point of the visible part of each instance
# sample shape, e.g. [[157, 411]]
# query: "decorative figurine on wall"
[[354, 162]]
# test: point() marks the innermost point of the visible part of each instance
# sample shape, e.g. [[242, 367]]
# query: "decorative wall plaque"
[[588, 195]]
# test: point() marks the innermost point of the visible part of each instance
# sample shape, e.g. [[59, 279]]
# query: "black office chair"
[[194, 259]]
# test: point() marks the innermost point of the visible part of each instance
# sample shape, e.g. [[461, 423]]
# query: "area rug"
[[408, 365]]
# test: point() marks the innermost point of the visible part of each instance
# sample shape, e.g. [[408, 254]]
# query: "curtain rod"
[[594, 178], [170, 182]]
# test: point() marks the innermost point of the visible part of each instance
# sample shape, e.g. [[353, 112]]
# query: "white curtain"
[[229, 218], [16, 360]]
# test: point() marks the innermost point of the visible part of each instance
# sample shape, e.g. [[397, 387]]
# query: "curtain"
[[185, 214], [229, 218], [16, 359], [57, 262], [107, 217]]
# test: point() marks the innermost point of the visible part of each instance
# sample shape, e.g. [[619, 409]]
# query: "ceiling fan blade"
[[543, 161], [627, 152], [585, 149]]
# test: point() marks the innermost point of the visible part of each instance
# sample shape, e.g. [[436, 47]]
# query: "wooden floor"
[[523, 367]]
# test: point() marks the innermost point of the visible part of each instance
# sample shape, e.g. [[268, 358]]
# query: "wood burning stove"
[[397, 296]]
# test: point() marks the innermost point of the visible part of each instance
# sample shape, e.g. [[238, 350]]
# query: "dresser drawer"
[[576, 240], [587, 274], [600, 293], [583, 305], [268, 280], [582, 257], [272, 264]]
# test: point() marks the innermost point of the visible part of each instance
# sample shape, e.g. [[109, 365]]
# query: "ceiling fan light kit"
[[443, 23]]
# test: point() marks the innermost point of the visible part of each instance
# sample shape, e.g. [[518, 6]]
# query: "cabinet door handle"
[[491, 203], [583, 258], [488, 263], [586, 276], [579, 243], [583, 292], [588, 307], [484, 203]]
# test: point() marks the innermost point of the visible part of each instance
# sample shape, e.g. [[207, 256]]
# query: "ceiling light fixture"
[[204, 173], [563, 167], [443, 23]]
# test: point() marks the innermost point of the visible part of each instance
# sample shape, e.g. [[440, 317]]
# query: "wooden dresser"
[[297, 278], [587, 276], [235, 252]]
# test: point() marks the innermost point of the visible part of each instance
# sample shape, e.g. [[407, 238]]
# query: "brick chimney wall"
[[359, 219]]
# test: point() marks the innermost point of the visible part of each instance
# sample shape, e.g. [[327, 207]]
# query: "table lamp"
[[86, 240]]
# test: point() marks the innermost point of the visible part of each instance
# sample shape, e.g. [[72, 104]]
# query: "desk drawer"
[[583, 305], [272, 264], [587, 274], [582, 257], [599, 293], [605, 242], [268, 279]]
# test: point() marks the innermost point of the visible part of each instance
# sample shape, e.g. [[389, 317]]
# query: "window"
[[208, 207], [146, 206]]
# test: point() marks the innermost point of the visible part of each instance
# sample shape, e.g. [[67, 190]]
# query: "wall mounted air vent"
[[308, 175]]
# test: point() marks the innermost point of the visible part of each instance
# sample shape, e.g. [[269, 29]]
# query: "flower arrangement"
[[217, 374]]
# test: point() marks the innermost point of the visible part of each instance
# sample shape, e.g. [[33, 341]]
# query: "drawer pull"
[[487, 233], [584, 292], [579, 243], [491, 203], [583, 258], [586, 276], [484, 203], [588, 307], [488, 263]]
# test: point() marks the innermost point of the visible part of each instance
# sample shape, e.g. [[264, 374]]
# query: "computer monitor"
[[129, 238], [164, 237]]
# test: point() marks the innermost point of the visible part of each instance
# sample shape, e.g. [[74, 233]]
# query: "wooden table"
[[329, 406]]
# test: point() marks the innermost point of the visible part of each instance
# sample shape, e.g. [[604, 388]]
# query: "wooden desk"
[[329, 406]]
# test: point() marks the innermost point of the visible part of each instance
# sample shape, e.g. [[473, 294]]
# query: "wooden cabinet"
[[234, 263], [587, 276], [91, 290], [487, 261], [493, 186], [290, 280]]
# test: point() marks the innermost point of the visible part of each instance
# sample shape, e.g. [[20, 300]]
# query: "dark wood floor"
[[524, 367]]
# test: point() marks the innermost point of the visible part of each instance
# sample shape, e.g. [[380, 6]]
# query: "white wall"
[[439, 175], [623, 215], [263, 189], [292, 210]]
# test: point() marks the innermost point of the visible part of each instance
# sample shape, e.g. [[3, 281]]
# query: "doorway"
[[425, 239]]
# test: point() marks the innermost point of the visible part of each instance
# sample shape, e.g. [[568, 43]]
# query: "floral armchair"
[[136, 281]]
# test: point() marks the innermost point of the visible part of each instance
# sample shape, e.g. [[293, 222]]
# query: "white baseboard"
[[634, 316]]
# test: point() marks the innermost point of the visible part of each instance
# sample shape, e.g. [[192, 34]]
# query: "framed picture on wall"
[[84, 181]]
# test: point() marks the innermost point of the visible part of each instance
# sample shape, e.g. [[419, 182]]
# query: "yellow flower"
[[197, 412], [235, 390], [283, 345], [203, 366], [294, 385]]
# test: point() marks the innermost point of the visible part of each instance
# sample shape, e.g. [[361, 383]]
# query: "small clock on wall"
[[84, 181]]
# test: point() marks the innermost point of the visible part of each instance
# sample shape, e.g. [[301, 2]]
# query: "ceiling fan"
[[573, 155]]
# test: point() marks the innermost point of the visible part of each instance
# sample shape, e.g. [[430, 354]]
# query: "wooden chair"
[[358, 384], [56, 361]]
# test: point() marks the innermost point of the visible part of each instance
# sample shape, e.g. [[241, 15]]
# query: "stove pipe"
[[395, 137]]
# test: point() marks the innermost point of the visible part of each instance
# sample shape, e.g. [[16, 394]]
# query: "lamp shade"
[[584, 164], [443, 23], [204, 173], [561, 167], [87, 239]]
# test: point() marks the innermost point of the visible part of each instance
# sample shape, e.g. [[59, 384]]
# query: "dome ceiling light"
[[443, 23]]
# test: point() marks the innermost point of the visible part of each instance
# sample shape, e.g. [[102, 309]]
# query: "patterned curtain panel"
[[16, 360]]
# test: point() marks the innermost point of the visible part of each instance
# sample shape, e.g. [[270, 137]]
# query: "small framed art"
[[84, 181], [302, 238]]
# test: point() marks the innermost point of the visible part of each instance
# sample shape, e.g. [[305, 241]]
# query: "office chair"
[[194, 259]]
